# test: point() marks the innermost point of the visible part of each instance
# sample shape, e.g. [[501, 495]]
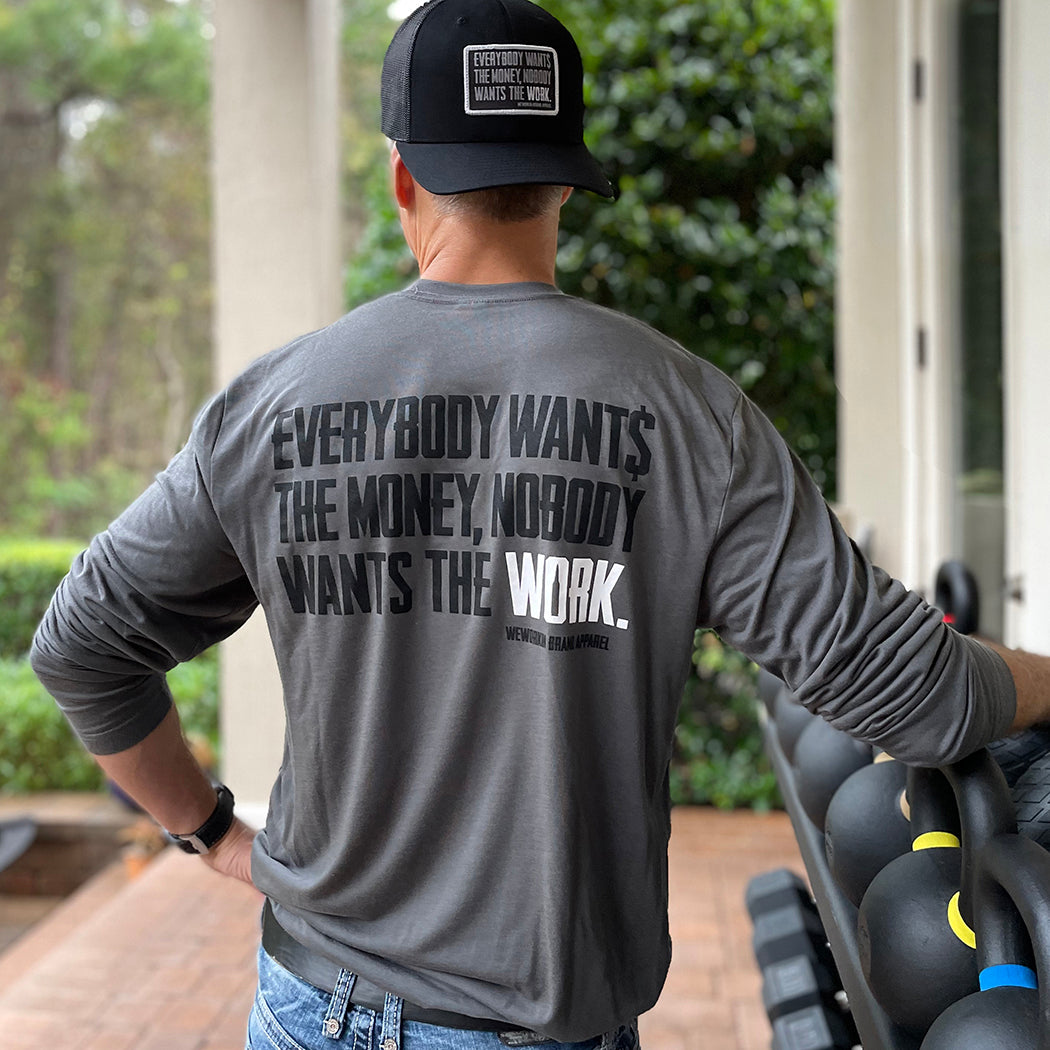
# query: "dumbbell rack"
[[837, 913]]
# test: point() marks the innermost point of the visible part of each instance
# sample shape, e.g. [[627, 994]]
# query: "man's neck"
[[489, 254], [497, 271]]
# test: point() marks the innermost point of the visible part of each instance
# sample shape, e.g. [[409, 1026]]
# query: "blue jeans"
[[290, 1014]]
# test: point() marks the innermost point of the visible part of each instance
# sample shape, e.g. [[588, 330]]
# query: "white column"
[[870, 151], [276, 268], [897, 283], [1026, 256]]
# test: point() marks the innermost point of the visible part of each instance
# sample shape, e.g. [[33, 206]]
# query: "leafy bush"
[[384, 262], [47, 486], [715, 117], [30, 570], [719, 758], [195, 689], [39, 751]]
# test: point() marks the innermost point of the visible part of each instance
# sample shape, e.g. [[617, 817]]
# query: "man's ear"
[[565, 195], [403, 183]]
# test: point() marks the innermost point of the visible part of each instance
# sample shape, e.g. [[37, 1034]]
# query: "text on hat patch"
[[510, 80]]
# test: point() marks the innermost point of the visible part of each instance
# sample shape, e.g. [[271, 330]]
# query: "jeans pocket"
[[288, 1013], [265, 1032]]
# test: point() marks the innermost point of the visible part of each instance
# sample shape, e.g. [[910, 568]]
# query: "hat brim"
[[459, 167]]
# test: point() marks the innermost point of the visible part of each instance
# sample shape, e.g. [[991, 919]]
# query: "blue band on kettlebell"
[[1007, 975]]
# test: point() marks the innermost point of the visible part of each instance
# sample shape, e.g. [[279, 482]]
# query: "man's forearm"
[[161, 775], [1031, 675]]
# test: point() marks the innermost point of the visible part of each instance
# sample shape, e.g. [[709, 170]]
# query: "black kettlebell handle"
[[955, 594], [985, 811], [1013, 882], [931, 803]]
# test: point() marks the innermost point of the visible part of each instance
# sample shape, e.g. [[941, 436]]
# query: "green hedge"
[[718, 758], [30, 570], [38, 750]]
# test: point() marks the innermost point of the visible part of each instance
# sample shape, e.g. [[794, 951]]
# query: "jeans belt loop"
[[339, 1006], [325, 974], [390, 1036]]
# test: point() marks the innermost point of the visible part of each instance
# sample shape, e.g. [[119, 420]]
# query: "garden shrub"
[[719, 757], [30, 570], [39, 751]]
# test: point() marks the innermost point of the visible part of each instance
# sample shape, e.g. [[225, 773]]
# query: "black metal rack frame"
[[838, 914]]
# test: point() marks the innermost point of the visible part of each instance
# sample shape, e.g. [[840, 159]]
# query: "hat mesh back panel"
[[396, 105]]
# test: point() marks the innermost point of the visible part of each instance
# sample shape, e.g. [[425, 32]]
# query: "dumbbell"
[[790, 944], [795, 984], [814, 1028], [786, 921], [779, 888], [788, 933]]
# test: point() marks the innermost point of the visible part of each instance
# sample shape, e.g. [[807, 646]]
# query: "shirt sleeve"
[[786, 586], [158, 587]]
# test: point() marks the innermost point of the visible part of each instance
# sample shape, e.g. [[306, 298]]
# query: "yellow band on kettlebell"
[[958, 924], [936, 840]]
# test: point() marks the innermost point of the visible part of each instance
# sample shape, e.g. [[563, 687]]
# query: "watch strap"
[[212, 830]]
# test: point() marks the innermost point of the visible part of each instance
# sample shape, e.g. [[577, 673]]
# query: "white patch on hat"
[[510, 80]]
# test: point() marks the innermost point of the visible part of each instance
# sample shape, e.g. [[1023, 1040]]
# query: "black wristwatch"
[[213, 829]]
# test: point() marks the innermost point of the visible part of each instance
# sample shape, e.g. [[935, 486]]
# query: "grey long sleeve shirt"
[[483, 523]]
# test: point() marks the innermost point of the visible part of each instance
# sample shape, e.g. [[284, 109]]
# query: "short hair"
[[502, 203]]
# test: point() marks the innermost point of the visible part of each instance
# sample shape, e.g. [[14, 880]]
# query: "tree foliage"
[[715, 119], [714, 116], [719, 755], [104, 250]]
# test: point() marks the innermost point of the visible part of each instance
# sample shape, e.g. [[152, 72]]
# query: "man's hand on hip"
[[232, 854]]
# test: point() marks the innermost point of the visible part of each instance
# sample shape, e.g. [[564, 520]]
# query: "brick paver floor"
[[166, 962]]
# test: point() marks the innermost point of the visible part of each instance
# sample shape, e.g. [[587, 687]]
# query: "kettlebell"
[[824, 758], [1012, 915], [790, 718], [914, 927], [955, 594], [866, 825]]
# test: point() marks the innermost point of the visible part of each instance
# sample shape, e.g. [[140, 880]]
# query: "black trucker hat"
[[481, 93]]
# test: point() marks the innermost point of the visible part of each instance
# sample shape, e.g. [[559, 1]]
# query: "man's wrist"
[[213, 830]]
